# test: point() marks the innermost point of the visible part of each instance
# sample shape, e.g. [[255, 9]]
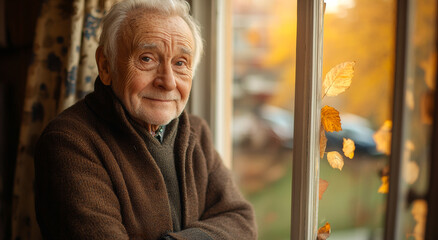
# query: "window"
[[361, 32], [274, 122], [264, 39]]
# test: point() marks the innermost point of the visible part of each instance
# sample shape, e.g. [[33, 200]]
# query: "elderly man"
[[127, 162]]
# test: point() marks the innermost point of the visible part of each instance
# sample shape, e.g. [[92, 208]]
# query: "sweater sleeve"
[[74, 197], [227, 215]]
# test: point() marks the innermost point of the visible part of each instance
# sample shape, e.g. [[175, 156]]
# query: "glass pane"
[[421, 72], [263, 91], [361, 33]]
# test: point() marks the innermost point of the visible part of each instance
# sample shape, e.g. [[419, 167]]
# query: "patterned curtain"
[[62, 71]]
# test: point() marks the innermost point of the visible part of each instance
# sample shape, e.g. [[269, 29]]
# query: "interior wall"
[[18, 20]]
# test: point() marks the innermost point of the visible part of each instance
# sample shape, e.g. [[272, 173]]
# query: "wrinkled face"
[[154, 67]]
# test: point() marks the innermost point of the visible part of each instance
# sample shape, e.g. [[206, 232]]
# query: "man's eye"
[[180, 63], [146, 59]]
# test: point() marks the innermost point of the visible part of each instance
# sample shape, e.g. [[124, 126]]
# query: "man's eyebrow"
[[186, 50]]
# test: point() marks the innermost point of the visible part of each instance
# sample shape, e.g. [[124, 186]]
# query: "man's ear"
[[103, 66]]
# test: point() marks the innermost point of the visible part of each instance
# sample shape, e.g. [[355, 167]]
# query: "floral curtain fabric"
[[62, 72]]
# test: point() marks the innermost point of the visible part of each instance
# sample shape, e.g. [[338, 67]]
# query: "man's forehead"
[[147, 30], [155, 46]]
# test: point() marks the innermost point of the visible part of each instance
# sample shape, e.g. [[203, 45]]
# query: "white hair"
[[118, 13]]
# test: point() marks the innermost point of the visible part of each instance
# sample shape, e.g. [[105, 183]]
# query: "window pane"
[[421, 77], [263, 92], [363, 32]]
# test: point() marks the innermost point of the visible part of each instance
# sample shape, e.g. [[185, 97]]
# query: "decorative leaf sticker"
[[429, 67], [383, 138], [385, 185], [411, 172], [330, 119], [410, 168], [324, 232], [419, 212], [322, 141], [323, 185], [335, 160], [338, 79], [410, 99], [427, 107], [348, 148], [409, 145]]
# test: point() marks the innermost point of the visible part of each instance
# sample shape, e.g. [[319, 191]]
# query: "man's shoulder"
[[199, 128], [196, 120], [197, 124], [73, 119]]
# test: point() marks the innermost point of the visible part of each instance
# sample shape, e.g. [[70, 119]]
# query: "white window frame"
[[307, 120], [212, 99], [211, 96]]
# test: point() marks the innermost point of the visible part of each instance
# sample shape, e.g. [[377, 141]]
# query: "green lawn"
[[351, 200]]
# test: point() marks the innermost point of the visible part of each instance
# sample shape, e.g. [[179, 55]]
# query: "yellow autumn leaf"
[[383, 138], [335, 160], [407, 151], [324, 232], [384, 188], [419, 213], [348, 148], [411, 172], [409, 145], [338, 79], [323, 185], [322, 141], [419, 210], [410, 99], [330, 119]]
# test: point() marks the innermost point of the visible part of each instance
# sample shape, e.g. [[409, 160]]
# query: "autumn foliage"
[[324, 232], [337, 80]]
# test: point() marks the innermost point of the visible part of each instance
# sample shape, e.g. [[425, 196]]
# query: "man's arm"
[[226, 215], [74, 195]]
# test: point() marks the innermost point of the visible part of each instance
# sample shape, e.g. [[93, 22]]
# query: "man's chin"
[[162, 119]]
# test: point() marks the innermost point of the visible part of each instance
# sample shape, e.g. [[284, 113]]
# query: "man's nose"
[[165, 77]]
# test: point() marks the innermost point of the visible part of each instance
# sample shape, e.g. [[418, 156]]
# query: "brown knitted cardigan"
[[96, 179]]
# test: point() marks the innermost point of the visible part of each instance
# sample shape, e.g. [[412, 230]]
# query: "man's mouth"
[[158, 99]]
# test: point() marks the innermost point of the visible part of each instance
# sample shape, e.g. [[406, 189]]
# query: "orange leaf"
[[427, 107], [323, 184], [385, 171], [324, 232], [335, 160], [338, 79], [429, 67], [322, 142], [385, 185], [348, 148], [330, 119], [383, 138]]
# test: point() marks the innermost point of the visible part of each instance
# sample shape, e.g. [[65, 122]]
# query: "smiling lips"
[[159, 100]]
